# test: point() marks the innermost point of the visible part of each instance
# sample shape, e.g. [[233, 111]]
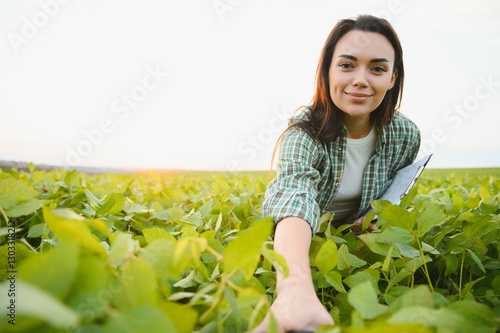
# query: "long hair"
[[325, 120]]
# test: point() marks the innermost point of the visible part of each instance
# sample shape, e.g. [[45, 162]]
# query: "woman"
[[337, 154]]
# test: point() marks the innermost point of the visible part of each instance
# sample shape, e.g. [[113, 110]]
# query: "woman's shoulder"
[[296, 132], [296, 141], [302, 114], [403, 124]]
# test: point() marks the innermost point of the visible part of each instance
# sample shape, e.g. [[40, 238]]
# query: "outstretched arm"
[[296, 308]]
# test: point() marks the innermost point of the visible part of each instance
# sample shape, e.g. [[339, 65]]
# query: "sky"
[[210, 84]]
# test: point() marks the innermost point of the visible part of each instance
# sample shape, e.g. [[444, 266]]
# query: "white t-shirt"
[[358, 152]]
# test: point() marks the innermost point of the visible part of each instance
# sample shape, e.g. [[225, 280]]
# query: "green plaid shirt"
[[309, 173]]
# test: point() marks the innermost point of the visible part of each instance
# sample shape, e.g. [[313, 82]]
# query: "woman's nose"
[[360, 78]]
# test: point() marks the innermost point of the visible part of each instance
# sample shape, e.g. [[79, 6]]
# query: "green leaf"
[[469, 285], [186, 282], [72, 179], [218, 223], [122, 248], [420, 296], [430, 217], [9, 230], [36, 230], [33, 302], [398, 217], [361, 277], [327, 257], [430, 249], [495, 284], [408, 198], [152, 234], [206, 209], [18, 199], [161, 215], [335, 280], [415, 263], [9, 263], [371, 240], [188, 253], [144, 319], [159, 254], [419, 315], [138, 285], [400, 276], [91, 291], [474, 317], [189, 232], [183, 317], [364, 299], [387, 260], [175, 213], [380, 205], [484, 192], [53, 271], [244, 251], [368, 220], [276, 259], [9, 174], [347, 260], [477, 261], [93, 200], [407, 251], [70, 227], [92, 328], [392, 294], [451, 265], [395, 234], [114, 204]]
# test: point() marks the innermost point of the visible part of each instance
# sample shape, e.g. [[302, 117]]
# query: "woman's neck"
[[358, 128]]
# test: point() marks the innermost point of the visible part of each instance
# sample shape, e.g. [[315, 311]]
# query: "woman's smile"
[[358, 97]]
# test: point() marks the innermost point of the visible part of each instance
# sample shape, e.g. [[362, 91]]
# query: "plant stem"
[[4, 216], [461, 276], [217, 255], [426, 270]]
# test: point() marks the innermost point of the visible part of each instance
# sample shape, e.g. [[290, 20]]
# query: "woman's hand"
[[357, 226], [297, 308]]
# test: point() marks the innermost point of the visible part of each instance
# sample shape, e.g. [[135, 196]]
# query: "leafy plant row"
[[190, 252]]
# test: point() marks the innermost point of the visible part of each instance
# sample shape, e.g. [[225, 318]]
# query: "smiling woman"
[[338, 154]]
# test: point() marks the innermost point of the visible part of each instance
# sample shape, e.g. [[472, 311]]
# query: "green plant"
[[189, 252]]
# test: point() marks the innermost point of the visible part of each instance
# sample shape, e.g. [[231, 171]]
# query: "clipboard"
[[402, 182]]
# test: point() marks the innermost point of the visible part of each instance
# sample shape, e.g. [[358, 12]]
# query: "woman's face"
[[361, 72]]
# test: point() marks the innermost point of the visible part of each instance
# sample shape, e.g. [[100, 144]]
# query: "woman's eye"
[[346, 65], [379, 69]]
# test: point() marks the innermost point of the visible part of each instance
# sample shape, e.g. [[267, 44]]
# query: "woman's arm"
[[292, 240], [296, 308]]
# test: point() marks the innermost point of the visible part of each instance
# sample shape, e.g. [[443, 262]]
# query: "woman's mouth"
[[358, 97]]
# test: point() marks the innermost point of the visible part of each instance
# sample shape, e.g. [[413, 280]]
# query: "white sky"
[[209, 84]]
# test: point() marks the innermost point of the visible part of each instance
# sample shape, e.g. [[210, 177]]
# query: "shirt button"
[[337, 184], [340, 149]]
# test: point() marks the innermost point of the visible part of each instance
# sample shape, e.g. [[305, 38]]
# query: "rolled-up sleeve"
[[294, 190]]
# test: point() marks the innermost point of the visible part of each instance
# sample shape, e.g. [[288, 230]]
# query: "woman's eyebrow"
[[348, 56]]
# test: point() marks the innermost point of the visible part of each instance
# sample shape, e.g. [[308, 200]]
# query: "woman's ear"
[[393, 79]]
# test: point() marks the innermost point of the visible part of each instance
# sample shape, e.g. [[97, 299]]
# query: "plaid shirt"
[[309, 173]]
